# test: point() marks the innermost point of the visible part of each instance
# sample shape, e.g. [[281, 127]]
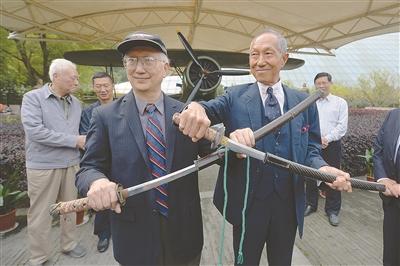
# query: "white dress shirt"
[[333, 117], [277, 91]]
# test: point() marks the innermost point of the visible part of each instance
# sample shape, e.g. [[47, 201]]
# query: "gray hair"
[[282, 43], [58, 65]]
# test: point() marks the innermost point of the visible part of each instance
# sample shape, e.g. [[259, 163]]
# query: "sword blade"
[[196, 166]]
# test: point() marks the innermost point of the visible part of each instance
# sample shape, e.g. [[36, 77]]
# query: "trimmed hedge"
[[363, 127], [12, 151], [362, 130]]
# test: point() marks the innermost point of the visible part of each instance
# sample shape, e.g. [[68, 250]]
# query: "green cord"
[[221, 240], [240, 257]]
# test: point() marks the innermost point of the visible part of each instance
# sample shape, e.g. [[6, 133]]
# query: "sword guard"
[[120, 195], [219, 134]]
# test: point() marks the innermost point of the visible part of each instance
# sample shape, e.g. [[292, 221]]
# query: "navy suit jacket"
[[240, 107], [116, 149], [384, 149]]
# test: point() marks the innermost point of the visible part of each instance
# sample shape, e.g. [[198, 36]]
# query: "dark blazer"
[[86, 116], [384, 149], [241, 107], [116, 149]]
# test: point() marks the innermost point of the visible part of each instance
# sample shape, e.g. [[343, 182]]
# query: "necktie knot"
[[150, 108]]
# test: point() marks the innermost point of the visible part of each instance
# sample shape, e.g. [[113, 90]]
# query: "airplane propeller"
[[204, 71]]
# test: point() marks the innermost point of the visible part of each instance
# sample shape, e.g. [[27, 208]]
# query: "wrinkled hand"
[[102, 195], [392, 188], [243, 136], [80, 143], [342, 181], [324, 142], [194, 121]]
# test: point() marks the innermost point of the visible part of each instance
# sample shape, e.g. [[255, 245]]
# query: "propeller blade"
[[193, 93], [189, 49], [230, 72]]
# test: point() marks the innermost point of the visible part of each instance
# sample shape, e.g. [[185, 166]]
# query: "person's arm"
[[341, 128], [92, 177], [35, 130], [380, 174], [95, 163], [218, 109], [378, 157], [195, 118]]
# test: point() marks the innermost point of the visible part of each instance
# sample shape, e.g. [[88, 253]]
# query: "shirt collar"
[[277, 88], [327, 98], [49, 92], [141, 105]]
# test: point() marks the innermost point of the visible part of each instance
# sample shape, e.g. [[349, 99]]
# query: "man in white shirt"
[[333, 117]]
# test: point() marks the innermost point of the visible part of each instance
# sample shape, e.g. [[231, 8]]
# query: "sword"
[[299, 169], [123, 194], [215, 135]]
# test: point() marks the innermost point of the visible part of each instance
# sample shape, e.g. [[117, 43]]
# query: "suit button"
[[154, 211]]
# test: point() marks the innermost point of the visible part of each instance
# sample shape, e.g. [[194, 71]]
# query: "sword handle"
[[69, 206], [211, 134], [82, 204]]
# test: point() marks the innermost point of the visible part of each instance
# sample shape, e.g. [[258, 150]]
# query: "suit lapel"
[[295, 124], [252, 100], [170, 107], [131, 114], [396, 130]]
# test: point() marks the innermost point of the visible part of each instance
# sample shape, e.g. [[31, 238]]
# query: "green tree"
[[380, 89], [23, 63]]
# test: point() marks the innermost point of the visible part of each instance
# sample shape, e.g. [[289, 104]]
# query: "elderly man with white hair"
[[50, 116]]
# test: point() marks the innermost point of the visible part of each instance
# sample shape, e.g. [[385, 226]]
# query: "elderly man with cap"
[[131, 141]]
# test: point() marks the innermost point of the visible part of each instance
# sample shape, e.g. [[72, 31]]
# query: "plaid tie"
[[156, 152], [271, 108]]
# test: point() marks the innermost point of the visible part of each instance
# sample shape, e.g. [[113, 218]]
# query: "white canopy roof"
[[207, 24]]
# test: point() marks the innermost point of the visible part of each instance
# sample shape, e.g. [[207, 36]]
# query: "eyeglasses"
[[148, 62]]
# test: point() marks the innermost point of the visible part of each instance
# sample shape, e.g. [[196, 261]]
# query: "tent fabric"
[[207, 24]]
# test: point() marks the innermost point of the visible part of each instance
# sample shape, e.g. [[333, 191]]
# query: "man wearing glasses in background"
[[103, 86], [131, 141]]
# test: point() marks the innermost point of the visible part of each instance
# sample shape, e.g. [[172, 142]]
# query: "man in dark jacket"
[[131, 141], [387, 171]]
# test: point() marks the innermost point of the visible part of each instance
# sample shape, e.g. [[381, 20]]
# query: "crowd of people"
[[132, 140]]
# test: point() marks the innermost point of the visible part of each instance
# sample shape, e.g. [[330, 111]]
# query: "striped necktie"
[[156, 152]]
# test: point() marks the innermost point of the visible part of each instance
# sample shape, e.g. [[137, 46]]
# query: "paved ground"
[[356, 241]]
